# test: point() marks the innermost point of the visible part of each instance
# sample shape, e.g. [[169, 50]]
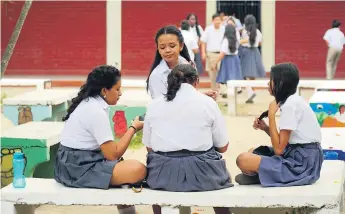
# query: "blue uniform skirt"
[[83, 168], [300, 164], [198, 62], [186, 171], [230, 69], [251, 62]]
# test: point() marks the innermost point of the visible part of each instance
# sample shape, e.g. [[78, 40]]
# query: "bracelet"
[[133, 128]]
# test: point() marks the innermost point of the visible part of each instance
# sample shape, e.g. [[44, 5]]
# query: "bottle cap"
[[18, 155]]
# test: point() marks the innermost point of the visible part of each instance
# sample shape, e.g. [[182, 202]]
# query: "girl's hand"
[[260, 124], [273, 108], [212, 94], [137, 124]]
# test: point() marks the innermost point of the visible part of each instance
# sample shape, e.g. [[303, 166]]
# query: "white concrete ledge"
[[325, 193]]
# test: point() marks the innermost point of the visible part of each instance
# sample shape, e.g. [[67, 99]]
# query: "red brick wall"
[[140, 22], [62, 37], [300, 27]]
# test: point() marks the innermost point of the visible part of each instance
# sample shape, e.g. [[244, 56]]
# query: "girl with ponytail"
[[171, 51], [251, 62], [184, 133], [88, 157], [295, 157]]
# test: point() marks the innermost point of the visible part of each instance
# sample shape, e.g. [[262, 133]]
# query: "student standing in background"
[[335, 41], [196, 31], [211, 42], [189, 40]]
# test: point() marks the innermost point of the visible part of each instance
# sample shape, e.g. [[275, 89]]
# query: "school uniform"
[[79, 161], [213, 38], [190, 42], [336, 41], [301, 162], [183, 137], [230, 67], [251, 61], [198, 61], [158, 80]]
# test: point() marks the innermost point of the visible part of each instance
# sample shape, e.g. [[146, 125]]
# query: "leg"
[[329, 63], [248, 162], [170, 210], [250, 91], [211, 58], [128, 172], [10, 208], [335, 62]]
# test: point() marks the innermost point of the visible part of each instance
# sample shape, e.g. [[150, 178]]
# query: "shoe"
[[239, 92], [243, 179], [250, 100]]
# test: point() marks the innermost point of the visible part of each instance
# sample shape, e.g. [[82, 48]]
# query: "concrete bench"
[[40, 84], [38, 141], [303, 84], [38, 105], [325, 196]]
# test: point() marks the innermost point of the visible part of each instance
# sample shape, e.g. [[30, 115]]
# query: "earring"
[[105, 96]]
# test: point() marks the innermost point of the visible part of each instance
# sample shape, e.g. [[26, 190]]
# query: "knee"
[[139, 170], [241, 159]]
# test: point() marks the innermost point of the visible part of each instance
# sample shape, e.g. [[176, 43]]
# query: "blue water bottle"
[[18, 170], [330, 155]]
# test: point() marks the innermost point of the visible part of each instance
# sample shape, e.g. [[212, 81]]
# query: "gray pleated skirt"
[[83, 168], [251, 62], [198, 62], [185, 171], [299, 165], [230, 69]]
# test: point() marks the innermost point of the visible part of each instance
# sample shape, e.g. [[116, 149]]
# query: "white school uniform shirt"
[[192, 30], [335, 38], [213, 38], [191, 121], [258, 38], [158, 81], [225, 45], [296, 115], [88, 126], [190, 42]]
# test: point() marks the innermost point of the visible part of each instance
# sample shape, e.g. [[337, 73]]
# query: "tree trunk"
[[15, 35]]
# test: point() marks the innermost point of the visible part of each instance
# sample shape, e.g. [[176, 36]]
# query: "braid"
[[76, 101]]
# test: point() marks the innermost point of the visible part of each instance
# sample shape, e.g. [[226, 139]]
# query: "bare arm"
[[243, 41], [203, 50], [278, 140], [112, 150], [223, 149]]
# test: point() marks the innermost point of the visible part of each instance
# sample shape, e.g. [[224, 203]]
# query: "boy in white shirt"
[[211, 42], [335, 41]]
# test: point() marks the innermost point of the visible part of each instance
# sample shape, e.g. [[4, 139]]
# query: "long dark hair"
[[285, 78], [183, 73], [170, 29], [196, 23], [104, 76], [230, 35], [250, 25]]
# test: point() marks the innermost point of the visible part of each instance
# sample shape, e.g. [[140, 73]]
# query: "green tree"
[[15, 35]]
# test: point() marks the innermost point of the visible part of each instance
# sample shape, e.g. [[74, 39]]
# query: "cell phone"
[[142, 117]]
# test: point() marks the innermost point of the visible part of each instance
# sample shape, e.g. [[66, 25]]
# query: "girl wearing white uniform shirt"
[[251, 62], [296, 156], [185, 138], [197, 32], [170, 52], [88, 157], [230, 67]]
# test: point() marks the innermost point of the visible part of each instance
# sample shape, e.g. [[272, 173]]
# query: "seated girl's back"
[[190, 121]]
